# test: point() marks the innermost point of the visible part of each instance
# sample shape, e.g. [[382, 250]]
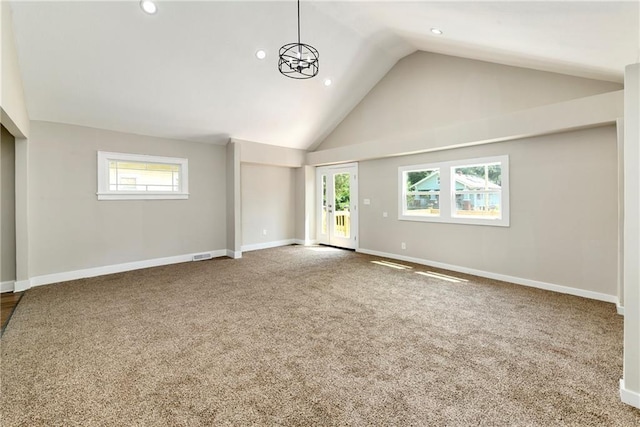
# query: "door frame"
[[321, 238]]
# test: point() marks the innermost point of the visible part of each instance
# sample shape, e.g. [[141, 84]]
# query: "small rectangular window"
[[124, 176]]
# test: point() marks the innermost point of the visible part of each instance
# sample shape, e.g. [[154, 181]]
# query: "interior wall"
[[265, 154], [268, 203], [621, 209], [69, 229], [13, 106], [427, 90], [234, 205], [300, 206], [7, 207], [630, 387], [306, 205], [563, 231]]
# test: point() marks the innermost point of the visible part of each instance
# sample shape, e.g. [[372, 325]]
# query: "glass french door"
[[337, 215]]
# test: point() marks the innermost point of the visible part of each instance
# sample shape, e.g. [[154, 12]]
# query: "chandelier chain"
[[298, 21], [298, 60]]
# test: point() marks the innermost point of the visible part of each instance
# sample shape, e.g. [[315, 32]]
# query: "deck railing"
[[343, 223]]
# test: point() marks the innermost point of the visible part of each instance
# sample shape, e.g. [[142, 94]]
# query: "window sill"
[[153, 196], [494, 222]]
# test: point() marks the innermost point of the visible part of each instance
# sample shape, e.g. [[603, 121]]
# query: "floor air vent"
[[200, 257]]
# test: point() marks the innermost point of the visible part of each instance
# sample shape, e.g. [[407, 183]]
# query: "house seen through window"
[[469, 191], [478, 189], [423, 192]]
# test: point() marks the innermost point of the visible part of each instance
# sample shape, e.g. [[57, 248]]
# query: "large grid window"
[[474, 191], [133, 176]]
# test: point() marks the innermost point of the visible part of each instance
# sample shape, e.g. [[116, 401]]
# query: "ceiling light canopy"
[[261, 54], [298, 60], [148, 6]]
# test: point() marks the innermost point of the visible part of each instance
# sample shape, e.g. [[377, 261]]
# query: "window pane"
[[128, 176], [162, 167], [478, 190], [324, 204], [342, 193], [422, 192], [479, 177], [127, 184], [143, 177], [113, 173]]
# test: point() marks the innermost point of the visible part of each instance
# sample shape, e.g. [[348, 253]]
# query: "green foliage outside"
[[494, 171], [342, 192], [415, 199], [416, 176]]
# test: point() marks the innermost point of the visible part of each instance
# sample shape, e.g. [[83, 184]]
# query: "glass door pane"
[[324, 204], [336, 206], [342, 196]]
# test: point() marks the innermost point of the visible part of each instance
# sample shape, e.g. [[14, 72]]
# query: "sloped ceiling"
[[190, 71]]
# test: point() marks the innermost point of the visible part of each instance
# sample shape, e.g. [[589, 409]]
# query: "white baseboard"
[[629, 397], [307, 242], [7, 286], [21, 285], [108, 269], [234, 254], [511, 279], [620, 309], [267, 245]]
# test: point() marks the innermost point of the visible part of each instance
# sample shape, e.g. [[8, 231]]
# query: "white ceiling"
[[190, 71]]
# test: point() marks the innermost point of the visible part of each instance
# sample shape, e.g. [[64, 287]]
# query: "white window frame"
[[104, 193], [447, 193]]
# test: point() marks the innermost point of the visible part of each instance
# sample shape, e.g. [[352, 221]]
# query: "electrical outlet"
[[264, 232], [385, 214], [367, 201], [403, 245]]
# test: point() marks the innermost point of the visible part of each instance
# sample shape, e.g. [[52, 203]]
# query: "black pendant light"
[[298, 60]]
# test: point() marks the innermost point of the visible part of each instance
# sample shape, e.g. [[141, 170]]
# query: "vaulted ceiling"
[[190, 71]]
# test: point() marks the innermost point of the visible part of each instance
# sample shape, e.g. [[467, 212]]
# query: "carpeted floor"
[[308, 337]]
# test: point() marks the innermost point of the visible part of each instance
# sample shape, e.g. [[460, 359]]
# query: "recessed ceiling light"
[[261, 54], [436, 31], [327, 82], [148, 6]]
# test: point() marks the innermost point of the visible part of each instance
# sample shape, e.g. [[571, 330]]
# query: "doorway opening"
[[337, 214]]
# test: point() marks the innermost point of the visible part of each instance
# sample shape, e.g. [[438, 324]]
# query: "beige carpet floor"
[[301, 336]]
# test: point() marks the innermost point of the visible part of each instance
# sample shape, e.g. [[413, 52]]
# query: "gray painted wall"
[[563, 212], [427, 90], [13, 107], [7, 207], [563, 231], [632, 236], [69, 229], [300, 195], [233, 197], [268, 203]]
